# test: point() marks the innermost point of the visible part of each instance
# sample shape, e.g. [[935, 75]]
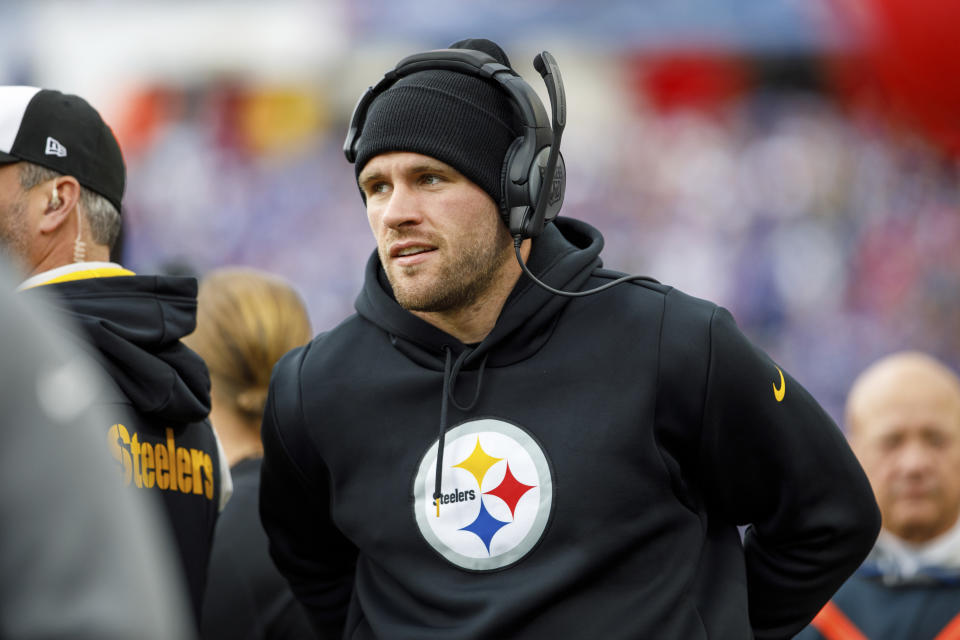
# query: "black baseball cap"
[[64, 133]]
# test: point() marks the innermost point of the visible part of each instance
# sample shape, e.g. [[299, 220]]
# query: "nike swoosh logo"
[[782, 391]]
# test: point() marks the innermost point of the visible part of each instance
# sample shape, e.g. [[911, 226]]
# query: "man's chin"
[[405, 287], [916, 523], [414, 300]]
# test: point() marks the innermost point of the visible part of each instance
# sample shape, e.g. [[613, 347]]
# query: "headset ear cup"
[[557, 190], [508, 199], [541, 214]]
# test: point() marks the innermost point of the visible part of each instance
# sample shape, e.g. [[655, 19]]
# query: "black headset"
[[532, 160]]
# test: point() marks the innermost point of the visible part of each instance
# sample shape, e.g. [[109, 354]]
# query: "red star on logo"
[[510, 490]]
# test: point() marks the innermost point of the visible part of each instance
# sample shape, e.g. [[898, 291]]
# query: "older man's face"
[[14, 239], [907, 436]]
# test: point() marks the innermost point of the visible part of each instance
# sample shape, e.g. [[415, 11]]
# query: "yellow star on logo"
[[478, 463]]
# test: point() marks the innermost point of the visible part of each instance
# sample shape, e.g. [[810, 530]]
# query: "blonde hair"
[[246, 320]]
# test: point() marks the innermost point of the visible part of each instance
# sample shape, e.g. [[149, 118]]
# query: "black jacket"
[[247, 598], [598, 455], [135, 324], [884, 605]]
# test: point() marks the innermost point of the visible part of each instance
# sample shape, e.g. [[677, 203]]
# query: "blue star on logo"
[[485, 526]]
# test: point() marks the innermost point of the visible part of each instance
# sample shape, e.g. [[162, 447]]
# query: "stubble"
[[460, 282], [13, 232]]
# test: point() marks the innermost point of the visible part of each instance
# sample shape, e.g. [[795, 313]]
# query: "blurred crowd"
[[826, 227], [809, 185], [829, 232]]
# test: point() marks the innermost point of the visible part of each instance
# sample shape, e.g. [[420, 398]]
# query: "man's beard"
[[460, 282], [13, 233]]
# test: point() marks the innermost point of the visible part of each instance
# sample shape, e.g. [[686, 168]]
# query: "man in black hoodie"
[[473, 456], [61, 182], [81, 557]]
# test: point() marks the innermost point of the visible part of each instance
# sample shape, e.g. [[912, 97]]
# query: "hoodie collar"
[[136, 323], [75, 271], [564, 256]]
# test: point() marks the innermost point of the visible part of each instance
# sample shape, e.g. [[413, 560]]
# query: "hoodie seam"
[[689, 586], [301, 419], [171, 384], [708, 382]]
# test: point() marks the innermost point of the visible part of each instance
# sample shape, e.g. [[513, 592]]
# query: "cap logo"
[[54, 148]]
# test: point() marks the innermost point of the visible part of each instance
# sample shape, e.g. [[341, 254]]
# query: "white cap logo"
[[54, 148], [496, 495]]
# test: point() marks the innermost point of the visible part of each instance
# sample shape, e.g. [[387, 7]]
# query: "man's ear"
[[62, 195]]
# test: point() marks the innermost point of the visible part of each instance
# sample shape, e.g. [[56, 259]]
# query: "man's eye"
[[379, 187], [430, 179], [891, 442], [936, 438]]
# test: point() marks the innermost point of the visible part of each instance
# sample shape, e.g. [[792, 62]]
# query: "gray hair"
[[103, 217]]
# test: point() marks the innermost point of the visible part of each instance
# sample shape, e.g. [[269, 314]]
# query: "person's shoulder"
[[674, 302], [339, 342], [641, 282], [290, 364], [683, 302]]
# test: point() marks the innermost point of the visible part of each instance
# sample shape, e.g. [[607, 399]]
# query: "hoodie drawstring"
[[450, 373]]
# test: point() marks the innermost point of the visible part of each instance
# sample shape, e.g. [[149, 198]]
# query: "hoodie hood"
[[563, 256], [135, 323]]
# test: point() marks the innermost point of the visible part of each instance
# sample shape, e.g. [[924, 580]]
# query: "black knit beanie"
[[460, 119]]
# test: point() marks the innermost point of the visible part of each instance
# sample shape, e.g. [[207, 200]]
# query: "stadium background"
[[793, 160]]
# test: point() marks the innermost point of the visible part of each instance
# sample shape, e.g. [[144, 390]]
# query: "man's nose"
[[403, 208], [916, 457]]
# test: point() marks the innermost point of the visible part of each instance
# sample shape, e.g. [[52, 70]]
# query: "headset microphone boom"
[[547, 67]]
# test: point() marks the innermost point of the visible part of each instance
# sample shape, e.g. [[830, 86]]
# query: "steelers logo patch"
[[496, 495]]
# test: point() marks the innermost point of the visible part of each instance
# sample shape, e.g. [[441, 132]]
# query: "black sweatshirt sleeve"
[[771, 457], [308, 549]]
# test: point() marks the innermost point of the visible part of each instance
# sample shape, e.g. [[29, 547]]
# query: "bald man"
[[903, 421]]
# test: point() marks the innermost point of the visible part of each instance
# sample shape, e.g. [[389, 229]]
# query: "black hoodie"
[[135, 323], [597, 456]]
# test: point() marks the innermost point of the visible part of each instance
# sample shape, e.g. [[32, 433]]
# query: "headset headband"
[[533, 117]]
